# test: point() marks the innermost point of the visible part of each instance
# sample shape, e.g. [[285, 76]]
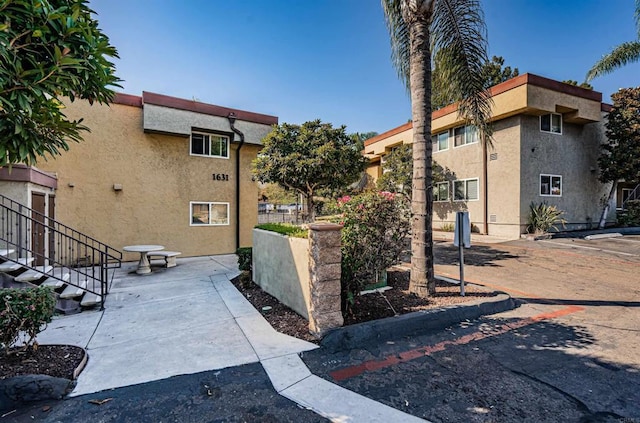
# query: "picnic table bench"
[[169, 257]]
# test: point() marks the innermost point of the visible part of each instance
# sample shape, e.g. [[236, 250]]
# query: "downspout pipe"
[[232, 121]]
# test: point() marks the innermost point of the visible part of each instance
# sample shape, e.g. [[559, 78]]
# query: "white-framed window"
[[441, 191], [466, 189], [550, 185], [551, 123], [208, 214], [463, 135], [440, 141], [209, 145]]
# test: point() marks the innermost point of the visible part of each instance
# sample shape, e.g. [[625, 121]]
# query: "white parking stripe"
[[589, 248]]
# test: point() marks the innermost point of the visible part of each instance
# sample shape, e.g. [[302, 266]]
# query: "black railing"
[[50, 243]]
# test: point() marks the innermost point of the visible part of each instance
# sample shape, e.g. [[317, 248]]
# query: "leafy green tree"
[[493, 73], [275, 194], [620, 157], [309, 157], [49, 50], [621, 55], [582, 85], [398, 171], [418, 29]]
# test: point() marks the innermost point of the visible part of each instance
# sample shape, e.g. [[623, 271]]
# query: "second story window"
[[210, 145], [463, 135], [551, 123], [440, 141]]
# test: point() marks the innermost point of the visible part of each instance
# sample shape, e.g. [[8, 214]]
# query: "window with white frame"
[[441, 191], [209, 145], [463, 135], [465, 189], [209, 214], [551, 123], [551, 185], [440, 141]]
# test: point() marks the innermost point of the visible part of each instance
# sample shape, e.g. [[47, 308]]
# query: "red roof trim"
[[22, 173], [604, 107], [389, 133], [207, 109], [127, 100]]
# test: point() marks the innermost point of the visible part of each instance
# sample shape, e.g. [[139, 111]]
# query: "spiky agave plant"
[[544, 218]]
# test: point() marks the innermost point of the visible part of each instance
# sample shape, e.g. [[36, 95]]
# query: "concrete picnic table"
[[143, 265]]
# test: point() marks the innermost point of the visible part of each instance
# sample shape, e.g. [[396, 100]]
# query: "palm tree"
[[418, 30], [623, 54]]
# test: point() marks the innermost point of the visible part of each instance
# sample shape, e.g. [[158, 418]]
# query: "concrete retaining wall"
[[304, 274]]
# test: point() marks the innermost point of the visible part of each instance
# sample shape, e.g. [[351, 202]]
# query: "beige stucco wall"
[[158, 177], [503, 169], [572, 155], [281, 268]]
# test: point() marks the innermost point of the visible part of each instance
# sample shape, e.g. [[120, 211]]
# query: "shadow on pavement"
[[506, 370], [580, 302], [477, 255], [237, 394]]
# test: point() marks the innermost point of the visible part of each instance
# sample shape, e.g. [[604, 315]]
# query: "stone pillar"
[[324, 278]]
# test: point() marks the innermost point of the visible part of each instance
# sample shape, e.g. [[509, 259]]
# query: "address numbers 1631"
[[220, 177]]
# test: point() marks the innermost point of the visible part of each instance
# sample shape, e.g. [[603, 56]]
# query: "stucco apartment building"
[[545, 147], [153, 170]]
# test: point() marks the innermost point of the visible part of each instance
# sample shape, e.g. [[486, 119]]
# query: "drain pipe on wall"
[[232, 121]]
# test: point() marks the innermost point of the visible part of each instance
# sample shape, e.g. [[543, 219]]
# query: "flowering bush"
[[26, 312], [375, 228]]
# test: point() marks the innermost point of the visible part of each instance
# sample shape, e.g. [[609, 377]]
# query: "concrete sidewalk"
[[191, 319]]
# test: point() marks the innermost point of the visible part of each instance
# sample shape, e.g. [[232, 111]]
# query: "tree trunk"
[[422, 281], [311, 212], [605, 209]]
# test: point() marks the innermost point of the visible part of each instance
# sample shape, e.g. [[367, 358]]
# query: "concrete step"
[[10, 266], [56, 283], [34, 275], [6, 251], [74, 291], [90, 299]]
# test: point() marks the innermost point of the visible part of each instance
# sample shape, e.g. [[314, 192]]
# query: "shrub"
[[24, 312], [630, 216], [375, 228], [543, 218], [245, 257], [282, 229], [448, 227]]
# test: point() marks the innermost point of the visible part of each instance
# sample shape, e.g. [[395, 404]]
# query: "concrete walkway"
[[191, 319]]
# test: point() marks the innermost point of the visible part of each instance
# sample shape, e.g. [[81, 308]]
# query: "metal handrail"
[[86, 259]]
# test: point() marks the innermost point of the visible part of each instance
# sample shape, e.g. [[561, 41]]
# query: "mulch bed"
[[52, 360], [378, 305]]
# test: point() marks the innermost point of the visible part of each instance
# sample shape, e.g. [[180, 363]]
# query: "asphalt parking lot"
[[568, 353]]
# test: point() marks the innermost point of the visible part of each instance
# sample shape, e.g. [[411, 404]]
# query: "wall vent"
[[493, 218], [493, 156]]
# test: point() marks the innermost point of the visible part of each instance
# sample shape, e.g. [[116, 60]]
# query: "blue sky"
[[330, 59]]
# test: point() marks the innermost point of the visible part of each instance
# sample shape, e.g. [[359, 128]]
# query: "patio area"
[[180, 320], [189, 319]]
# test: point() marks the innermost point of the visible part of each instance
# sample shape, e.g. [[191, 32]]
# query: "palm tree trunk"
[[422, 280]]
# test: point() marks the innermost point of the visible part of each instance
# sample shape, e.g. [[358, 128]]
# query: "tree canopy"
[[309, 157], [49, 50], [493, 73], [620, 157]]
